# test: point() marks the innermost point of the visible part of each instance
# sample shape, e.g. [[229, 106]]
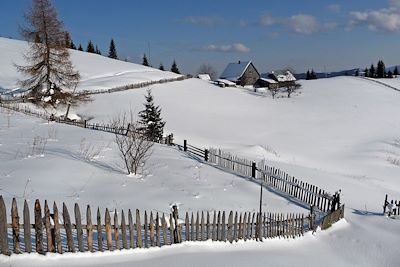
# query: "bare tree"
[[49, 70], [135, 149], [208, 69], [290, 88], [274, 90]]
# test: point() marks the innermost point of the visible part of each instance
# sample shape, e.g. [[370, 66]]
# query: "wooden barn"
[[241, 73], [276, 79]]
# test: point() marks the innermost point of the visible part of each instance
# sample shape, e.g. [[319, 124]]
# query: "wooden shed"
[[242, 73]]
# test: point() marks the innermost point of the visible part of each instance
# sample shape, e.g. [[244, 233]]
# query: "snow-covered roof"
[[283, 76], [235, 70], [268, 80], [205, 77], [227, 82]]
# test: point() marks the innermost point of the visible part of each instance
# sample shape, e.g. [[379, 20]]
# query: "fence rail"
[[55, 232]]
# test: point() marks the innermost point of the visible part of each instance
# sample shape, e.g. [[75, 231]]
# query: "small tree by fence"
[[54, 231]]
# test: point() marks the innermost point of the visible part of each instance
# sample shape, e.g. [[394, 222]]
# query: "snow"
[[337, 133], [205, 77], [97, 72]]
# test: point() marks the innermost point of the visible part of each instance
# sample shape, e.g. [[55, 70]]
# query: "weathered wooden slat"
[[116, 231], [244, 236], [187, 235], [78, 225], [177, 227], [38, 228], [131, 230], [197, 227], [223, 233], [89, 228], [240, 234], [107, 223], [57, 231], [138, 230], [68, 229], [3, 228], [230, 227], [164, 229], [27, 229], [219, 226], [151, 230], [99, 231], [47, 226], [158, 231], [213, 231], [302, 224], [202, 227], [145, 229], [171, 229], [123, 231], [252, 230], [15, 225], [208, 226], [235, 228]]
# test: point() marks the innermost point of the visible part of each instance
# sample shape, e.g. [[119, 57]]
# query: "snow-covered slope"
[[97, 72]]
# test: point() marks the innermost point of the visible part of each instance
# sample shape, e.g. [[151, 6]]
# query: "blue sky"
[[301, 34]]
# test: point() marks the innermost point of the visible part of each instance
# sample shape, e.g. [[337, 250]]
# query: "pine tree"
[[50, 73], [313, 75], [174, 68], [371, 71], [380, 70], [357, 73], [80, 48], [67, 40], [390, 74], [90, 47], [112, 53], [72, 45], [308, 75], [161, 67], [366, 72], [395, 72], [97, 50], [145, 61], [150, 119]]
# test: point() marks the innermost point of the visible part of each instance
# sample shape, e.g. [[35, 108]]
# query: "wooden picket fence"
[[273, 177], [56, 233]]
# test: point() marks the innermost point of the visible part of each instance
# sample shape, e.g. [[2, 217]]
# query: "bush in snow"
[[151, 122], [134, 146]]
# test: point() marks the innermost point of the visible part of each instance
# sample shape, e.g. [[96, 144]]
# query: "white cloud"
[[203, 20], [382, 20], [236, 47], [334, 8], [304, 24], [330, 25], [267, 20], [394, 3]]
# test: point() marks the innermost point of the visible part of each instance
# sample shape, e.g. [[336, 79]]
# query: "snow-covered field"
[[338, 133], [97, 72]]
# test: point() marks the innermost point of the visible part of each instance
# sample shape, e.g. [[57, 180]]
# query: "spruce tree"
[[161, 67], [313, 75], [67, 40], [97, 50], [357, 73], [151, 122], [72, 45], [366, 72], [174, 68], [80, 48], [380, 69], [308, 76], [145, 61], [90, 47], [112, 53], [49, 73], [396, 71], [390, 74], [371, 71]]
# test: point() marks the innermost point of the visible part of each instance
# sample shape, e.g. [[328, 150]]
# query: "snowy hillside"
[[97, 72], [339, 133]]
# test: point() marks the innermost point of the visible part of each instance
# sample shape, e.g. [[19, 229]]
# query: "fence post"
[[177, 238], [206, 154], [185, 145], [384, 204], [85, 123], [253, 169]]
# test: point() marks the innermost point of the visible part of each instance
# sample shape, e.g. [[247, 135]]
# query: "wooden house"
[[276, 79], [241, 73]]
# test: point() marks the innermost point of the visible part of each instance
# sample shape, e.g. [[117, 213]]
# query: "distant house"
[[204, 77], [241, 73], [276, 79]]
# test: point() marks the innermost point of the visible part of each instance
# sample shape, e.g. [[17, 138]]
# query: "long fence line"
[[305, 192], [21, 96], [54, 231], [381, 83]]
